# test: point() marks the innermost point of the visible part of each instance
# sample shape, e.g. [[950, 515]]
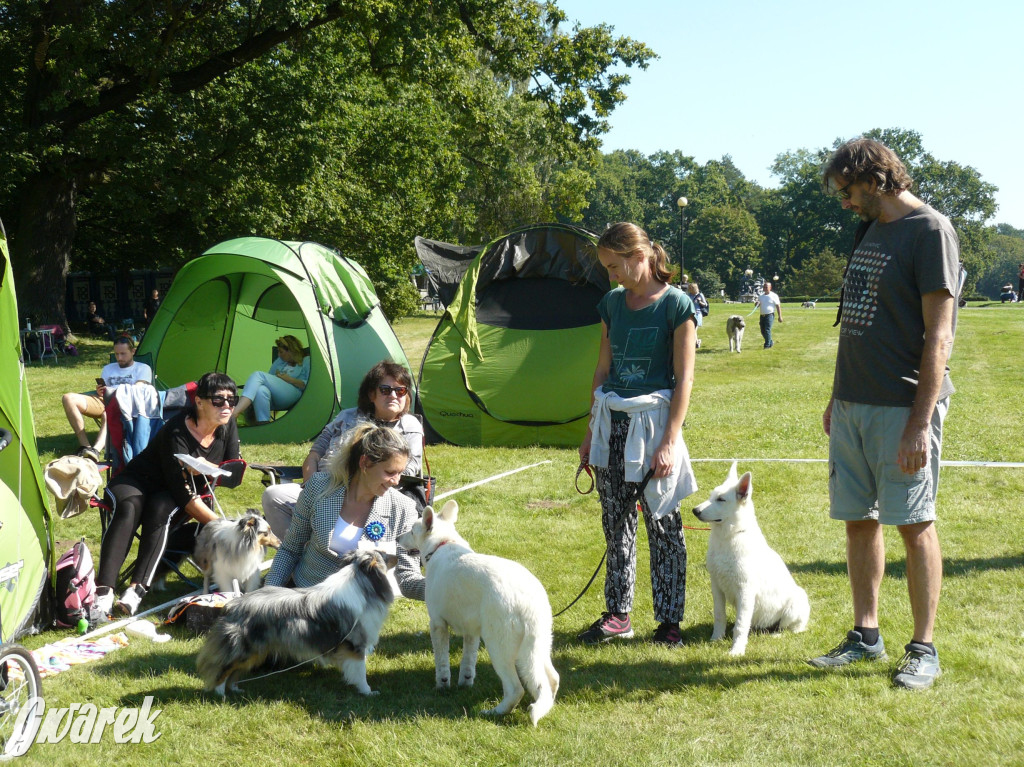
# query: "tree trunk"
[[41, 245]]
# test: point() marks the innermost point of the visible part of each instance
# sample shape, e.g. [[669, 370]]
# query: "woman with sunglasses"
[[155, 492], [281, 387], [383, 398], [353, 504]]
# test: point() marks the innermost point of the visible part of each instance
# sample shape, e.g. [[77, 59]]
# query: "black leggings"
[[164, 529]]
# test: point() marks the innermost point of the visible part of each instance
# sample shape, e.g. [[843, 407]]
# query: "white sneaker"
[[129, 601], [104, 601]]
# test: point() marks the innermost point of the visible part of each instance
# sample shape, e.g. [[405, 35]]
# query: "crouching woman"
[[354, 503]]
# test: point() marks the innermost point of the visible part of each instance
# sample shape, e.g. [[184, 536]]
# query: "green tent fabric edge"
[[26, 534]]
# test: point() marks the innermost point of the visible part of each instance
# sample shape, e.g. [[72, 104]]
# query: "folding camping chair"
[[128, 436]]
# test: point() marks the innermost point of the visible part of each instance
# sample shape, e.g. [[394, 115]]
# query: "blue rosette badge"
[[375, 531]]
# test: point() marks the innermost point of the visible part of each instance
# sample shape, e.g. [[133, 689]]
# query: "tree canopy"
[[144, 132]]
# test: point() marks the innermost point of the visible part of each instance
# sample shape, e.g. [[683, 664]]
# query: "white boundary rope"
[[442, 496], [983, 464]]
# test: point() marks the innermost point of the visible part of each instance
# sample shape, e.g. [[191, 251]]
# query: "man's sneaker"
[[129, 601], [89, 452], [851, 650], [605, 628], [918, 669], [668, 634]]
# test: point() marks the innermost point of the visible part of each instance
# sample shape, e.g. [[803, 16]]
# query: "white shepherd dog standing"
[[478, 595], [745, 571]]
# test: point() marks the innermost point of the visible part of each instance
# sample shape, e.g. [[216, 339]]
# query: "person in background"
[[890, 395], [151, 307], [769, 305], [98, 325], [700, 304], [78, 407], [384, 398], [281, 387], [641, 392]]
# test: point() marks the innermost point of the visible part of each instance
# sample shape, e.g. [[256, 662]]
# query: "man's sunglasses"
[[400, 391], [218, 401], [844, 193]]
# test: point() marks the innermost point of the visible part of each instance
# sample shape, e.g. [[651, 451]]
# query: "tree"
[[1006, 254], [821, 275], [725, 240], [155, 125]]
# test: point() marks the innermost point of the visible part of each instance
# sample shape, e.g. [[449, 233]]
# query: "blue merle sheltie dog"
[[336, 622]]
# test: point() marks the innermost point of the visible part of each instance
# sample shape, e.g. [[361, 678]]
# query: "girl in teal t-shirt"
[[647, 346]]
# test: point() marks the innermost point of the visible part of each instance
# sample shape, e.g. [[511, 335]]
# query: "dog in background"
[[745, 571], [734, 326], [229, 550], [477, 595], [336, 622], [808, 304]]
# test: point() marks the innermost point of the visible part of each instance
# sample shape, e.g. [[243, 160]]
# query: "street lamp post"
[[681, 203]]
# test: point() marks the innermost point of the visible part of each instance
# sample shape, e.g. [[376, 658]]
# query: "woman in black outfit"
[[156, 492]]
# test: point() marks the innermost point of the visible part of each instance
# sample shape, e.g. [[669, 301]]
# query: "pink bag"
[[75, 585]]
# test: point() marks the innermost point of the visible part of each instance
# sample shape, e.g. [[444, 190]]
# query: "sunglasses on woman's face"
[[400, 391], [218, 401]]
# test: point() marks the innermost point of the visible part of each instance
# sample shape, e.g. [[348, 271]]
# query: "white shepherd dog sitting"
[[744, 570], [484, 596]]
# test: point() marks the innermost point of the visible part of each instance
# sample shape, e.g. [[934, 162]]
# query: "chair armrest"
[[274, 474]]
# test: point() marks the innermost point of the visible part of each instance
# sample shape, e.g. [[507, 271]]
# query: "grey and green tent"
[[512, 358], [225, 309], [25, 531]]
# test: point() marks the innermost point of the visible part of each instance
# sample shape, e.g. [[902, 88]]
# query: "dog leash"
[[636, 497], [300, 663], [584, 467]]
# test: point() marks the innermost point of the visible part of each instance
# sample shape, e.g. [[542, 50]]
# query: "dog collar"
[[428, 557]]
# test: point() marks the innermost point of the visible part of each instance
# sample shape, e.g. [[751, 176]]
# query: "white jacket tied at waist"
[[649, 414]]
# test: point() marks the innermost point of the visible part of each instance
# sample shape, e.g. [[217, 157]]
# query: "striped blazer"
[[305, 556]]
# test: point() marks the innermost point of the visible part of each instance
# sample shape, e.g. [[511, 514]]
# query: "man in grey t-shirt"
[[889, 397]]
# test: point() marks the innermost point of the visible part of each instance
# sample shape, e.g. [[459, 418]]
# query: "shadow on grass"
[[951, 568], [62, 445], [631, 670]]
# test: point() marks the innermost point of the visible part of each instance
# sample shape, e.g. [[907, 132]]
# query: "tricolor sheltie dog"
[[336, 622], [229, 550]]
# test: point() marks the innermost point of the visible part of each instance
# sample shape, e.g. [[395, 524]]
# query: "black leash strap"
[[636, 497]]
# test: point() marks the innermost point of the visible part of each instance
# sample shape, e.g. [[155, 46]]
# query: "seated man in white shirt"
[[79, 406]]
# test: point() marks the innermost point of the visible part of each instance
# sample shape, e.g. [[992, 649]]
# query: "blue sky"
[[754, 79]]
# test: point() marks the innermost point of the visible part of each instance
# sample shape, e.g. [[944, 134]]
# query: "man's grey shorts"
[[864, 480]]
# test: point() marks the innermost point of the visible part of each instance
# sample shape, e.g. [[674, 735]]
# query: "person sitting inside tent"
[[281, 387], [383, 399], [155, 492]]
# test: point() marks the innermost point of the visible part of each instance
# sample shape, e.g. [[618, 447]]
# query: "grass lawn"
[[634, 703]]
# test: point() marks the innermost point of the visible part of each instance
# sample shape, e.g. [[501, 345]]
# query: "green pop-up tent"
[[512, 358], [25, 544], [225, 309]]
